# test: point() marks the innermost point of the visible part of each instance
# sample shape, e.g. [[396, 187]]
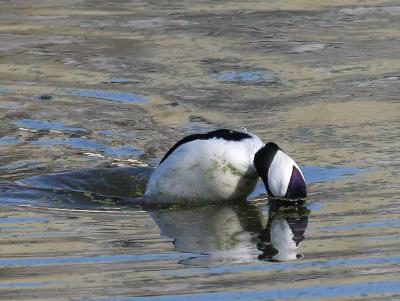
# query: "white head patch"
[[280, 172]]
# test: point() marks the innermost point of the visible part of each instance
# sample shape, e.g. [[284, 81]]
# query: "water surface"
[[92, 93]]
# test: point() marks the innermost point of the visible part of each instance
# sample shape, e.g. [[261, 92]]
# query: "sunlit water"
[[92, 94]]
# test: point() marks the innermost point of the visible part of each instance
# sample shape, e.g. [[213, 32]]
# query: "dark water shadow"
[[103, 188]]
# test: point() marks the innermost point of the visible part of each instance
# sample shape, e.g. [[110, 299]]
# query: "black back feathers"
[[225, 134]]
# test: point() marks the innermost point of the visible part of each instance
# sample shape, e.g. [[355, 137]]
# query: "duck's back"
[[213, 167]]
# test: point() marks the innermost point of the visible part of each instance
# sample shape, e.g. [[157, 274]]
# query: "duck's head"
[[282, 177]]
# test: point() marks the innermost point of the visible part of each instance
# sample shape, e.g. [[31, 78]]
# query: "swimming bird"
[[220, 166]]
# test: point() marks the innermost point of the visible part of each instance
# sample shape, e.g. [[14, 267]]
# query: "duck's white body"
[[221, 166], [211, 170]]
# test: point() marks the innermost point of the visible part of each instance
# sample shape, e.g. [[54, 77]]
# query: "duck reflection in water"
[[236, 232], [284, 231]]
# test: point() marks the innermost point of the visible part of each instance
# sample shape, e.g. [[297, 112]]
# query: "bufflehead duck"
[[223, 165]]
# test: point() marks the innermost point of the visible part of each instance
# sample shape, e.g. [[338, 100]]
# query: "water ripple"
[[126, 97]]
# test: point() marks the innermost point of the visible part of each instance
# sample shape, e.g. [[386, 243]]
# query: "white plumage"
[[213, 170], [280, 172], [222, 166]]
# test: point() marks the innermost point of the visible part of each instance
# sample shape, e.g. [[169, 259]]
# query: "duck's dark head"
[[282, 177]]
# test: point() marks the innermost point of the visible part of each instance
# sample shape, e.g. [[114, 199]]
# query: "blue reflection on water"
[[119, 80], [22, 164], [310, 292], [5, 90], [314, 174], [392, 222], [10, 105], [295, 265], [5, 140], [47, 125], [314, 206], [246, 76], [27, 219], [89, 144], [383, 238], [108, 95], [25, 284], [35, 261]]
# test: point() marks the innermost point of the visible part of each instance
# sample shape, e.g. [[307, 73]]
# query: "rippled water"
[[93, 93]]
